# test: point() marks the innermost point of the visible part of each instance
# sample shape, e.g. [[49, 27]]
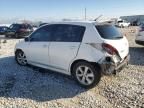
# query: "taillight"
[[109, 49]]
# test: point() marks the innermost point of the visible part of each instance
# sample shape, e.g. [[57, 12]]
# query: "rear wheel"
[[21, 58], [86, 74]]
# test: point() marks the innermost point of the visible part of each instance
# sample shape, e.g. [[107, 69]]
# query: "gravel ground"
[[26, 87]]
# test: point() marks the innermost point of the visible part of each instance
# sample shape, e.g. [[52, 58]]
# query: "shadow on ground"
[[137, 56], [27, 83]]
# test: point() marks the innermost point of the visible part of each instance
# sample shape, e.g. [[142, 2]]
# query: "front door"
[[39, 46], [38, 53]]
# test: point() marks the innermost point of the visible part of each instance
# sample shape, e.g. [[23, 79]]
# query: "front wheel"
[[86, 74], [21, 58]]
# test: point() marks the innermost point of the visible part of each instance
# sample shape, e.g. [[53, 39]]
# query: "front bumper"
[[112, 68]]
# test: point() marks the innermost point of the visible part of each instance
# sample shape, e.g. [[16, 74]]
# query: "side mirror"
[[26, 39]]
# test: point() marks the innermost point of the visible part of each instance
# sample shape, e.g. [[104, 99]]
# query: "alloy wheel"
[[21, 58], [85, 75]]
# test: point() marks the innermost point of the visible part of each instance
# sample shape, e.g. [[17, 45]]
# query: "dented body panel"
[[112, 67]]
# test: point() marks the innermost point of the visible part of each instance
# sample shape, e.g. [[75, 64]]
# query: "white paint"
[[59, 56]]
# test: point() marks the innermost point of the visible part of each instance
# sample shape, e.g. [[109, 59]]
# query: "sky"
[[59, 9]]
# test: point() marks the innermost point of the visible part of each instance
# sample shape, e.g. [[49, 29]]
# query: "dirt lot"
[[25, 87]]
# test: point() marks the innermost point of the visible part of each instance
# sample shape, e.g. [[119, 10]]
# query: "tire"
[[86, 74], [20, 58]]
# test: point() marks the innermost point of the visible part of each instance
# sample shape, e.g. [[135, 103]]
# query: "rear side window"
[[108, 32], [68, 33]]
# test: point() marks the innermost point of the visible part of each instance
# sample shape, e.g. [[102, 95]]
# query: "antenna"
[[98, 17], [85, 13]]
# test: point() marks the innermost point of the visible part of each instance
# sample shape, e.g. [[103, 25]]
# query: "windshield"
[[15, 26], [108, 32]]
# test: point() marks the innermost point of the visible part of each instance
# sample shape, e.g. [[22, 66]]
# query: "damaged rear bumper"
[[112, 68]]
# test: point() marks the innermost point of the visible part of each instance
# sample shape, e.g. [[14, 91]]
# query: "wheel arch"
[[82, 60], [18, 50]]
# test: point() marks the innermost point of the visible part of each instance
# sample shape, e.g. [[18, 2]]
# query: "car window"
[[108, 32], [42, 35], [68, 33], [28, 26], [23, 26], [15, 26], [120, 21], [5, 28]]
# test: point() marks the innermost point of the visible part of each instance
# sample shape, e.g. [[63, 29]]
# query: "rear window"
[[108, 32]]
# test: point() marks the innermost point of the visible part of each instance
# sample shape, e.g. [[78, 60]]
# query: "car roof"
[[81, 23], [73, 22]]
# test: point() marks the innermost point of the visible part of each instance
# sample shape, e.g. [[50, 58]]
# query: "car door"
[[64, 45], [38, 46]]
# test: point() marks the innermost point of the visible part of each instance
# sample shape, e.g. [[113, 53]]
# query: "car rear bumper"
[[112, 68]]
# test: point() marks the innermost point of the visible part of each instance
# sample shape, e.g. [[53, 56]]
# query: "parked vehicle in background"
[[3, 30], [134, 23], [34, 27], [123, 23], [140, 35], [84, 50], [19, 30]]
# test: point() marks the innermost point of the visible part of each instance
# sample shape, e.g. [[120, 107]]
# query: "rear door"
[[64, 45]]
